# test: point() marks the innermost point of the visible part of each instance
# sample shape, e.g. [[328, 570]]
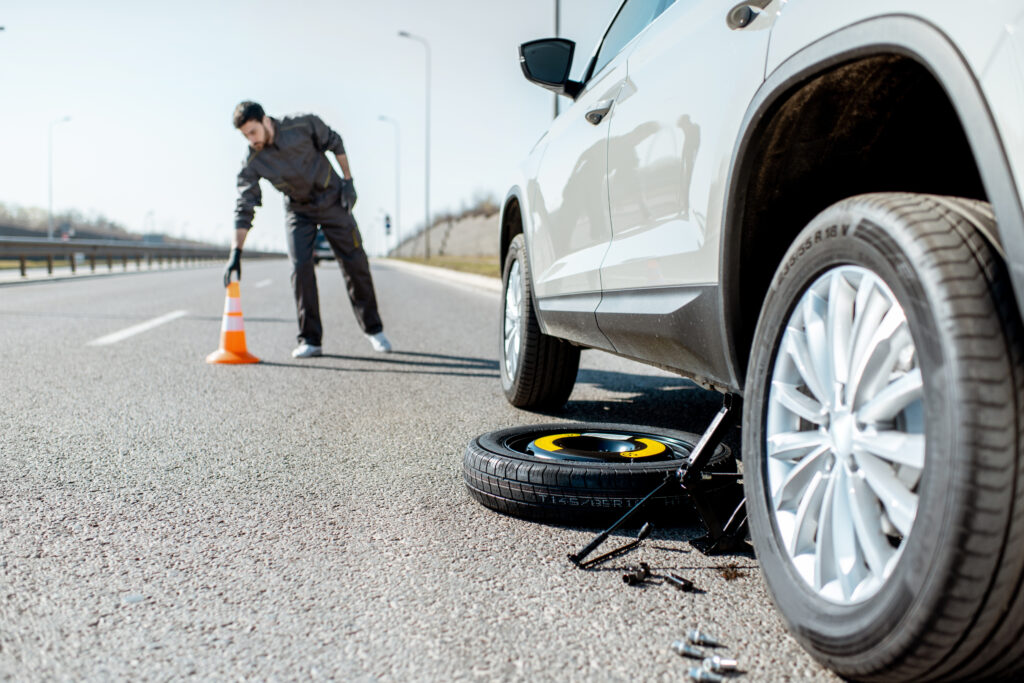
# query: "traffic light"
[[387, 224]]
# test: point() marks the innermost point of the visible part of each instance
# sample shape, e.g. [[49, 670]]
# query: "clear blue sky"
[[150, 88]]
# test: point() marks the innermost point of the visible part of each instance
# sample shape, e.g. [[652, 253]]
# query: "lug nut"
[[698, 638], [706, 676], [684, 649], [720, 664], [637, 575], [680, 582]]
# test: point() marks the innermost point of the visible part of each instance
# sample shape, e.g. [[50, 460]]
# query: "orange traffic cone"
[[232, 332]]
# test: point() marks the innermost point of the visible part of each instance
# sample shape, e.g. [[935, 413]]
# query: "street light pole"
[[398, 175], [558, 29], [426, 178], [49, 173]]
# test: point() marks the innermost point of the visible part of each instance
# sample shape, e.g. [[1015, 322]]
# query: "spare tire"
[[581, 474]]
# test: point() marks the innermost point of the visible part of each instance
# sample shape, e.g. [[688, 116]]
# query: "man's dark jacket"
[[296, 164]]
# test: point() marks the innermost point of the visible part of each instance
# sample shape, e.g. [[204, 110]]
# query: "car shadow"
[[652, 401]]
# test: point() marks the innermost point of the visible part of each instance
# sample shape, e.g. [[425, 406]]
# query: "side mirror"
[[547, 62]]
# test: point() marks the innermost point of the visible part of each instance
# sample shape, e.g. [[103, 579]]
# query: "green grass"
[[481, 265]]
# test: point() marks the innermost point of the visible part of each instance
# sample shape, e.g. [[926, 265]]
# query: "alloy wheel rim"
[[845, 439], [512, 318]]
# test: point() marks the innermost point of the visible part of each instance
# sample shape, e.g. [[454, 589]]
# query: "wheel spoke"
[[869, 308], [796, 346], [877, 356], [799, 478], [799, 403], [824, 551], [840, 324], [899, 502], [793, 445], [895, 447], [866, 513], [847, 560], [890, 401], [805, 525], [815, 311]]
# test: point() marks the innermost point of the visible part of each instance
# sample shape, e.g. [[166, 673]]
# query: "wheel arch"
[[511, 222], [798, 104]]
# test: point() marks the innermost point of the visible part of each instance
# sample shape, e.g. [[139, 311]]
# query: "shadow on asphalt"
[[250, 318], [432, 364], [666, 402]]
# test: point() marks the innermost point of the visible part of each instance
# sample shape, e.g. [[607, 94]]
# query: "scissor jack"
[[717, 496]]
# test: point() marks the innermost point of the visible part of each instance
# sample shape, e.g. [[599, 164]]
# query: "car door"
[[676, 121], [570, 227]]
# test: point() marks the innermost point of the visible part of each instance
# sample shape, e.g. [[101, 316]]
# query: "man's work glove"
[[348, 194], [234, 265]]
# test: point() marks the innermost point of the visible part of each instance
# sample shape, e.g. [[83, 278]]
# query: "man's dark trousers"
[[342, 233]]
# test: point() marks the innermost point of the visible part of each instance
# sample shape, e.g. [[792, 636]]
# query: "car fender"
[[901, 34]]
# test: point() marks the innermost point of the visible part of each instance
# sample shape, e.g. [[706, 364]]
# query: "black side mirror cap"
[[546, 62]]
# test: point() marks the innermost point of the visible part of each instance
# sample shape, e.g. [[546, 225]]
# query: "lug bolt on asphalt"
[[637, 575], [680, 582], [698, 638], [720, 664], [684, 649], [704, 675]]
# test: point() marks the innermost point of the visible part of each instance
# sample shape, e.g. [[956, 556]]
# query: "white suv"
[[817, 205]]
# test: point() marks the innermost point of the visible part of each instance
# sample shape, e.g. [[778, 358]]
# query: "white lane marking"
[[136, 329], [262, 283]]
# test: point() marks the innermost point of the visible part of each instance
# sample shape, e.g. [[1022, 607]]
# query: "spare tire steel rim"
[[845, 442], [513, 315]]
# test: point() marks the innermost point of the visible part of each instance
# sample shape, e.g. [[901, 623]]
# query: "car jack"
[[717, 496]]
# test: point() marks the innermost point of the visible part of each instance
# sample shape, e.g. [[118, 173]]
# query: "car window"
[[633, 17]]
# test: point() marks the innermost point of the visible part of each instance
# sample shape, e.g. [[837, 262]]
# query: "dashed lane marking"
[[262, 283], [121, 335]]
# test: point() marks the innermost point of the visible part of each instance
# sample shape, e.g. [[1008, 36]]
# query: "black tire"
[[951, 606], [539, 371], [501, 474]]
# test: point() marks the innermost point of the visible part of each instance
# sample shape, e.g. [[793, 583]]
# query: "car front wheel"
[[537, 370], [882, 444]]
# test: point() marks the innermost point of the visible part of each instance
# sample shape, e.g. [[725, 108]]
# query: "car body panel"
[[569, 226], [974, 30], [641, 262], [967, 52], [672, 134]]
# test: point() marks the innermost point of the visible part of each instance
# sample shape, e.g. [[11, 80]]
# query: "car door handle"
[[744, 13], [598, 113]]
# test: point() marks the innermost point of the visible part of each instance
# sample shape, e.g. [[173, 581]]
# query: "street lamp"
[[426, 178], [558, 30], [49, 228], [398, 186]]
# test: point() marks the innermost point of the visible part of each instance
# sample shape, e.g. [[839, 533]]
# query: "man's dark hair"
[[247, 111]]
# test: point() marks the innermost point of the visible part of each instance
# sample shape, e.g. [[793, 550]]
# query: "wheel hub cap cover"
[[844, 437]]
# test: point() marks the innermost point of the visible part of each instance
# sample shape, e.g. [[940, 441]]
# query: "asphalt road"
[[162, 518]]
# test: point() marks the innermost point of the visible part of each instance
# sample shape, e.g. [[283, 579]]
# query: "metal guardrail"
[[74, 251]]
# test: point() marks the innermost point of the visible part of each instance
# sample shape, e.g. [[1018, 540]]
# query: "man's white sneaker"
[[307, 351], [379, 342]]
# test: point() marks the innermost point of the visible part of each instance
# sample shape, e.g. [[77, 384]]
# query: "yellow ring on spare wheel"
[[651, 447], [547, 443]]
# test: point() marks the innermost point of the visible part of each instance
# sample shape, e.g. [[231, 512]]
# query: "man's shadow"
[[404, 362]]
